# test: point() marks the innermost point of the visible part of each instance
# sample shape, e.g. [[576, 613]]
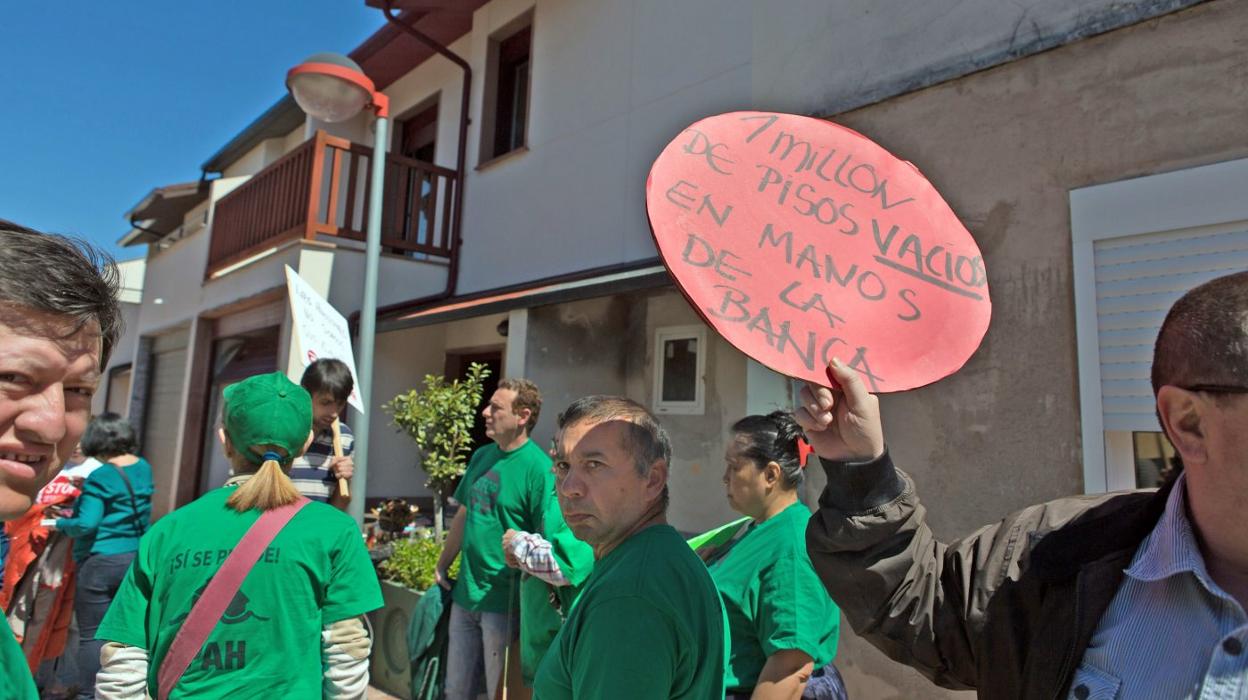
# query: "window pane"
[[119, 393], [680, 369], [1152, 453]]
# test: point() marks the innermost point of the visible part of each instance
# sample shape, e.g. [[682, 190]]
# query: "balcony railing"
[[321, 189]]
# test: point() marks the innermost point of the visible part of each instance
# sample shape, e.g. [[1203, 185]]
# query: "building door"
[[457, 368], [234, 358], [416, 202], [163, 415]]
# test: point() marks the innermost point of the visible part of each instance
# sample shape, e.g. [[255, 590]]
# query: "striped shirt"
[[311, 471], [1171, 631]]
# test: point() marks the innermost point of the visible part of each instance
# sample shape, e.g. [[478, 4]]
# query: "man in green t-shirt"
[[59, 320], [504, 488], [648, 624]]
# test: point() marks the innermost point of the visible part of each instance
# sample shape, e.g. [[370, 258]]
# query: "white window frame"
[[689, 408], [1183, 200]]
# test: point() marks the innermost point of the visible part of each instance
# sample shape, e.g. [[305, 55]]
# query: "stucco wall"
[[612, 82], [1005, 147]]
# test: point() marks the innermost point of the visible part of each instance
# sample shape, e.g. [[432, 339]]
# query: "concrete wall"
[[613, 81], [605, 345], [402, 361], [1005, 147]]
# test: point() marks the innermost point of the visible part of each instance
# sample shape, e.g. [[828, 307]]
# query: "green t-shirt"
[[268, 643], [648, 626], [539, 620], [501, 491], [773, 598], [16, 683]]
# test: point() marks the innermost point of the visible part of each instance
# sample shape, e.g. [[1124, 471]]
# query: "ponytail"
[[269, 488]]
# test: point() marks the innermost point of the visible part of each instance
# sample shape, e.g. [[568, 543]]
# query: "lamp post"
[[333, 88]]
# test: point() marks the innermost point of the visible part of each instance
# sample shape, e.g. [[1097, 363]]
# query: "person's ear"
[[772, 473], [656, 478], [307, 443], [225, 443], [1182, 413], [524, 414]]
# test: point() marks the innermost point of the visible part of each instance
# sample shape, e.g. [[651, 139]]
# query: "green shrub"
[[412, 563]]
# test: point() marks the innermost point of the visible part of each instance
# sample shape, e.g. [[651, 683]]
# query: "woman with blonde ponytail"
[[283, 581]]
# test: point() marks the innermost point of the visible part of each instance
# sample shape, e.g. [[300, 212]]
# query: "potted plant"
[[406, 573], [439, 419]]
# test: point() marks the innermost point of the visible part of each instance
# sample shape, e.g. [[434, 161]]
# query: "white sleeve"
[[123, 673], [536, 558], [345, 646]]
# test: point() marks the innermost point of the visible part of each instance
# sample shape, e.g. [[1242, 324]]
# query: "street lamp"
[[333, 88]]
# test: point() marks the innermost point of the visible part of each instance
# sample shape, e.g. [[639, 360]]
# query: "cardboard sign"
[[320, 331], [799, 240]]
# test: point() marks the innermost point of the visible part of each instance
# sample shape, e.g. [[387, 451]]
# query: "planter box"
[[390, 665]]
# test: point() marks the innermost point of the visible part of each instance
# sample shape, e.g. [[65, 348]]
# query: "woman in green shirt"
[[781, 623], [109, 518], [294, 628]]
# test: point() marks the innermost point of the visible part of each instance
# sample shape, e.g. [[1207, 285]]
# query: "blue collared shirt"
[[1170, 631]]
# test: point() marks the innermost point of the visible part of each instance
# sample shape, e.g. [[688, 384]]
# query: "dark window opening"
[[511, 96]]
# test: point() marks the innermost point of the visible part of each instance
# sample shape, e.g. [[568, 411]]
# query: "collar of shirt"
[[1171, 548]]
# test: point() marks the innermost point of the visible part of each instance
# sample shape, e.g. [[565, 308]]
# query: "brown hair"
[[645, 437], [527, 396]]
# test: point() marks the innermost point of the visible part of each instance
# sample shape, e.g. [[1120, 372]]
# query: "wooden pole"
[[343, 487]]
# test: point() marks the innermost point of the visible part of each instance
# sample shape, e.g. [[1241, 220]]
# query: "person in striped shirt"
[[316, 473]]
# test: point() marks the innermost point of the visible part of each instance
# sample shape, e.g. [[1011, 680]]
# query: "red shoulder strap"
[[207, 611]]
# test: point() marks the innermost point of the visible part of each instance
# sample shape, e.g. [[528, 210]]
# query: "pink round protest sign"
[[799, 240]]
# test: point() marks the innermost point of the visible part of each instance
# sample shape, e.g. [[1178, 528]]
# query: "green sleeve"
[[575, 558], [126, 619], [793, 611], [644, 670], [352, 587]]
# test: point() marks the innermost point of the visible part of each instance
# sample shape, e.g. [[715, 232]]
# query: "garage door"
[[164, 411]]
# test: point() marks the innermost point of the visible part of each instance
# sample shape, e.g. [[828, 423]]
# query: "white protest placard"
[[320, 332]]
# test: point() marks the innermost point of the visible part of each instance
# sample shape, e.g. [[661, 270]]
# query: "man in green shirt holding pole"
[[504, 488], [648, 624], [59, 320]]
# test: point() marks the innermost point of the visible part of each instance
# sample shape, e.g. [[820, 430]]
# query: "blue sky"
[[102, 101]]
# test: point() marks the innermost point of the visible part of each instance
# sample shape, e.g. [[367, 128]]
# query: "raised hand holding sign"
[[799, 241]]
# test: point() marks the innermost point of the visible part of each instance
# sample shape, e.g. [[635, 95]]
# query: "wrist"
[[860, 486]]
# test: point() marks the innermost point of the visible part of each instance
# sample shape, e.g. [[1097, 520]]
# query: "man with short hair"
[[1127, 595], [504, 488], [59, 320], [648, 624], [317, 471]]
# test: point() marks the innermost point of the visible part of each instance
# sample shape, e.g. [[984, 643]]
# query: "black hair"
[[61, 276], [330, 376], [108, 435], [773, 438], [645, 438]]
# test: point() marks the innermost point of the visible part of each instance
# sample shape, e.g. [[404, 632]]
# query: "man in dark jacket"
[[1138, 594]]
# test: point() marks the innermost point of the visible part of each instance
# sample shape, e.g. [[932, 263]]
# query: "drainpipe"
[[457, 213]]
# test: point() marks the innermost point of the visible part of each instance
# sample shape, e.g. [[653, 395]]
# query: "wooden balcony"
[[321, 189]]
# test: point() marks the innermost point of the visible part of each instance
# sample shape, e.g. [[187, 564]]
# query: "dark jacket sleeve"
[[918, 600]]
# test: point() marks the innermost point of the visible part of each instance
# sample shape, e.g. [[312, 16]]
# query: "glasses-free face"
[[49, 370], [601, 493], [326, 409]]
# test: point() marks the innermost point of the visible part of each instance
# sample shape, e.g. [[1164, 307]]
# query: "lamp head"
[[330, 87]]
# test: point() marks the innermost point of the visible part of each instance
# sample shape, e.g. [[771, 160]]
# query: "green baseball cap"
[[267, 409]]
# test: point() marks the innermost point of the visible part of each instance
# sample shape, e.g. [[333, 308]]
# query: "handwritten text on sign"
[[320, 331], [799, 240]]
